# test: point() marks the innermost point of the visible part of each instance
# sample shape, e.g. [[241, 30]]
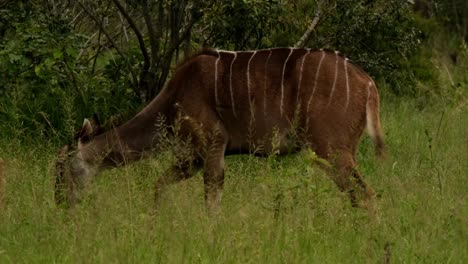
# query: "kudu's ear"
[[87, 128], [91, 127], [95, 124], [86, 133]]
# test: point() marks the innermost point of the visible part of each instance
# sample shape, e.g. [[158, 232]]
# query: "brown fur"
[[272, 94]]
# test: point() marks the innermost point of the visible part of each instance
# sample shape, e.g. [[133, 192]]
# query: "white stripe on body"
[[229, 51], [265, 82], [230, 86], [249, 89], [315, 80], [216, 79], [347, 82], [300, 74], [334, 81], [282, 82]]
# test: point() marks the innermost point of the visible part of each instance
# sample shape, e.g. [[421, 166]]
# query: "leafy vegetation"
[[64, 60]]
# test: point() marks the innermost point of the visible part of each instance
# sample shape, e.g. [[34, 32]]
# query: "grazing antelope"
[[224, 102]]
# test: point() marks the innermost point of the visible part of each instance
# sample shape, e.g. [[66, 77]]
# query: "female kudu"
[[224, 102]]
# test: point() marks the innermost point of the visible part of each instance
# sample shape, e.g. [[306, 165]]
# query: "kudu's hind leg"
[[347, 178], [351, 182]]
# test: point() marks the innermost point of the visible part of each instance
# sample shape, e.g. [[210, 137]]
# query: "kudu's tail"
[[373, 119]]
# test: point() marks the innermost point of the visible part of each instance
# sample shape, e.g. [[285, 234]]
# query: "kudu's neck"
[[134, 139]]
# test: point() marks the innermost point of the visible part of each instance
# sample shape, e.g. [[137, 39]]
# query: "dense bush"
[[45, 86], [61, 61], [378, 35], [454, 15], [381, 36]]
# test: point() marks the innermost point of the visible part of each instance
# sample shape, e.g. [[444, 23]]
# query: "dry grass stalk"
[[2, 183]]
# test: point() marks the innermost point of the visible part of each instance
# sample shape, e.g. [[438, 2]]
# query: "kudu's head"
[[72, 170]]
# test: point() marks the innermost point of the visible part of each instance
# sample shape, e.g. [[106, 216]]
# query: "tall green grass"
[[274, 210]]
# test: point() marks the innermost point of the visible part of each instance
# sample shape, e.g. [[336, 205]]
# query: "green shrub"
[[45, 86]]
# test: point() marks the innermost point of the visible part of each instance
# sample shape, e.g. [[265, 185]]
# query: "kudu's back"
[[317, 95]]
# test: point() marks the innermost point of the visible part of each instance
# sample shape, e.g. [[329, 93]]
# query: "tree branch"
[[182, 37], [101, 27], [124, 28], [311, 28], [137, 32], [170, 52], [111, 40], [144, 81], [153, 35]]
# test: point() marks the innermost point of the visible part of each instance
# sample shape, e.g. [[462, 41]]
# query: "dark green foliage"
[[57, 65], [35, 51], [45, 86], [378, 35], [241, 25], [453, 14], [381, 36]]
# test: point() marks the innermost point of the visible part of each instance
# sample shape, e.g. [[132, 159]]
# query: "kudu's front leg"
[[213, 176], [182, 170]]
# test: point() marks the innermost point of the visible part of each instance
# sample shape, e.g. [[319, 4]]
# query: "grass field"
[[274, 210]]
